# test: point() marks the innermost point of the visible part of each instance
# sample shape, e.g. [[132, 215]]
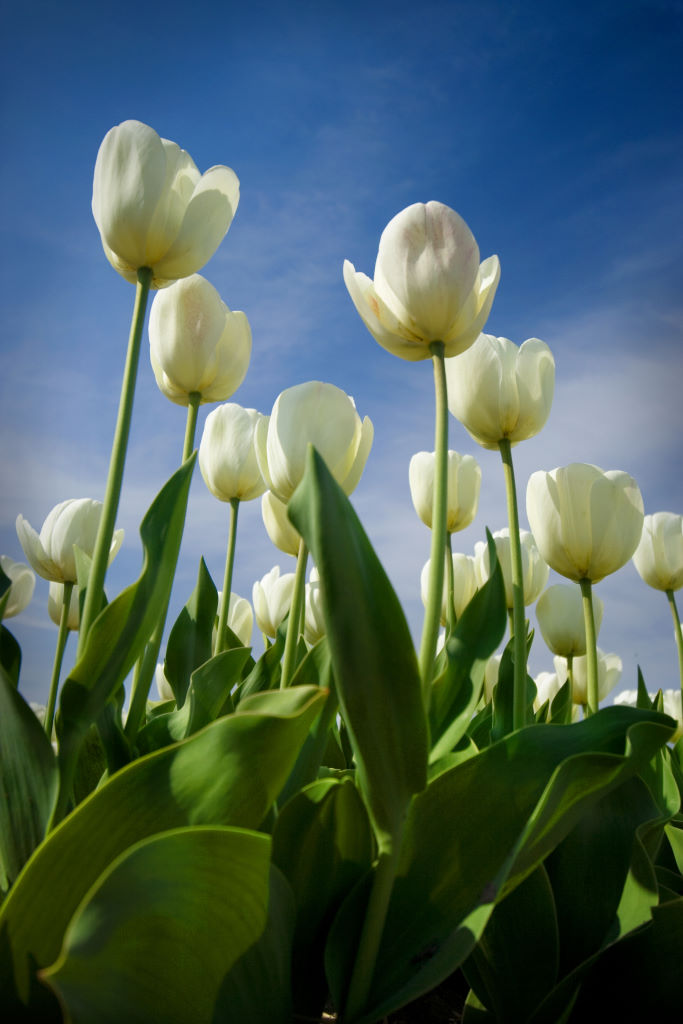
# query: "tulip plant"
[[335, 828]]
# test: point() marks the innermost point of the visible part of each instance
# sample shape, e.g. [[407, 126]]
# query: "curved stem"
[[593, 698], [227, 578], [100, 560], [194, 399], [295, 610], [430, 629], [518, 626], [62, 637], [678, 634]]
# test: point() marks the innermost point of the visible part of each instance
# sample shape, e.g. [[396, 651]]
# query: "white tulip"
[[463, 483], [314, 621], [196, 344], [428, 284], [154, 209], [227, 455], [671, 701], [559, 611], [464, 584], [279, 526], [659, 555], [534, 569], [72, 522], [55, 604], [491, 673], [587, 523], [164, 688], [609, 674], [318, 414], [240, 617], [272, 598], [500, 391], [22, 584]]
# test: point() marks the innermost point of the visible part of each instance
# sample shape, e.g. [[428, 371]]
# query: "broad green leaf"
[[503, 695], [456, 693], [156, 936], [265, 675], [206, 698], [119, 633], [28, 781], [476, 832], [323, 844], [228, 774], [561, 707], [10, 655], [190, 639], [515, 962], [373, 658]]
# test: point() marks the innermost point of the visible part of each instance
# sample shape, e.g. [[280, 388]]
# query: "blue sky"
[[554, 129]]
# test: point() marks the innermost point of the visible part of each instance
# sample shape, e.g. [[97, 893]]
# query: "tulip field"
[[343, 828]]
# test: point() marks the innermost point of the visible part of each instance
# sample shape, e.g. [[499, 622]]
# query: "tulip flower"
[[659, 560], [314, 620], [321, 415], [164, 688], [272, 597], [559, 611], [154, 209], [22, 584], [72, 522], [587, 524], [197, 345], [279, 526], [671, 703], [491, 673], [609, 673], [56, 604], [464, 586], [428, 284], [534, 569], [464, 481], [498, 390], [240, 617]]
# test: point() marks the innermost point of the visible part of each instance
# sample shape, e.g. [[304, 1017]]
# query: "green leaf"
[[10, 656], [323, 844], [119, 633], [503, 695], [28, 781], [515, 962], [265, 674], [228, 774], [157, 935], [375, 666], [455, 864], [456, 693], [190, 639]]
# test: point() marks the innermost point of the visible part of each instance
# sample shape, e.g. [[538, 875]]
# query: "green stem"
[[194, 399], [292, 639], [62, 637], [450, 574], [518, 619], [592, 695], [100, 561], [227, 578], [570, 676], [430, 629], [373, 927], [677, 633]]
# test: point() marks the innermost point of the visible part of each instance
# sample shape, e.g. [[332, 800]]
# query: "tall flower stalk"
[[227, 578], [519, 717], [95, 589], [593, 697], [62, 637], [677, 633], [294, 623]]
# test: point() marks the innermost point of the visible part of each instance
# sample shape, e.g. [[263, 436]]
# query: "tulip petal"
[[472, 318], [379, 320], [207, 218], [352, 479], [36, 554]]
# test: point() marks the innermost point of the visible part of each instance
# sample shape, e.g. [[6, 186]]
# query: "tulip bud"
[[659, 555], [164, 688], [499, 391], [560, 616], [272, 598], [491, 673], [196, 344], [534, 569], [321, 415], [314, 622], [464, 481], [22, 585], [464, 585], [72, 522], [227, 456], [609, 674], [240, 618], [55, 604], [587, 523], [278, 525], [428, 284], [154, 209]]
